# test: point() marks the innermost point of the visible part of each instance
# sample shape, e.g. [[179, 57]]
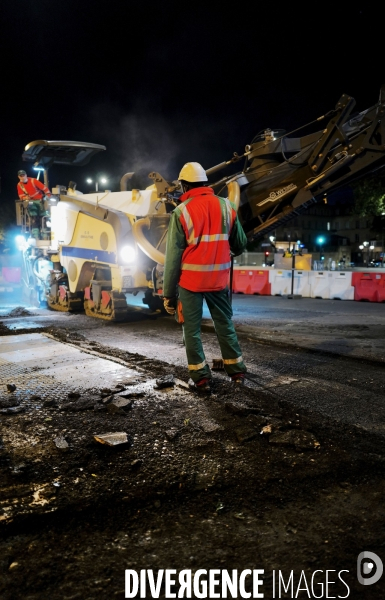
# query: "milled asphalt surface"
[[323, 355], [346, 328]]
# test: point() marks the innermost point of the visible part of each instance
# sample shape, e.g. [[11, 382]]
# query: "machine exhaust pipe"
[[143, 243], [124, 180]]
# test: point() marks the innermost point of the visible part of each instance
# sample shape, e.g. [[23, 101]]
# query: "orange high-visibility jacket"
[[34, 188], [203, 230]]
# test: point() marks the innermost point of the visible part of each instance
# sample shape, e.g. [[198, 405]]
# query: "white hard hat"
[[192, 172]]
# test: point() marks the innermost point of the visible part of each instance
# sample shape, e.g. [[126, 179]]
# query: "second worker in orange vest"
[[30, 188]]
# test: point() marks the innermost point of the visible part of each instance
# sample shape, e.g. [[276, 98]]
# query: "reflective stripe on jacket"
[[198, 242], [33, 188]]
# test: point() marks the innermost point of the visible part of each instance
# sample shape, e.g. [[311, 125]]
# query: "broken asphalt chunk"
[[256, 420], [105, 392], [108, 399], [7, 402], [171, 434], [165, 382], [209, 426], [49, 402], [61, 444], [119, 404], [182, 384], [84, 403], [14, 410], [132, 395], [112, 439], [245, 434], [127, 395], [236, 409], [301, 440], [11, 387]]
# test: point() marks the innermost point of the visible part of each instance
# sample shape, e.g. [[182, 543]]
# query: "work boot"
[[201, 387], [238, 379]]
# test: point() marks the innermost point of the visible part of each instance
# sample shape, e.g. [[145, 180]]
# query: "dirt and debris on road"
[[250, 478]]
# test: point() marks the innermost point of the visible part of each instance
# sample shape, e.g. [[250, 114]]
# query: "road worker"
[[31, 189], [32, 192], [204, 232]]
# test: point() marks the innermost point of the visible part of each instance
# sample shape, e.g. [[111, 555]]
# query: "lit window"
[[328, 226]]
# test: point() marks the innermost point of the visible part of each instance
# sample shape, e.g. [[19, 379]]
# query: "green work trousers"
[[191, 307], [36, 208]]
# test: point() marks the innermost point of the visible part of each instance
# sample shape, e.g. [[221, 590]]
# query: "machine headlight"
[[128, 254], [21, 242]]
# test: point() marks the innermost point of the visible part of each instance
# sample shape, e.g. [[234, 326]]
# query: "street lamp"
[[320, 241], [97, 181], [361, 247], [370, 257]]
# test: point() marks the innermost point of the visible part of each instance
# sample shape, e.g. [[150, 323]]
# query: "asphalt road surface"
[[307, 341], [202, 484]]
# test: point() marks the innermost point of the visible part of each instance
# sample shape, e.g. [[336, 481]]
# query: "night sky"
[[163, 83]]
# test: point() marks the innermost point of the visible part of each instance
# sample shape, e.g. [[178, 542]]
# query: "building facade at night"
[[335, 232]]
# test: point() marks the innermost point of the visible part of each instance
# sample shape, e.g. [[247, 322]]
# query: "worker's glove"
[[170, 305]]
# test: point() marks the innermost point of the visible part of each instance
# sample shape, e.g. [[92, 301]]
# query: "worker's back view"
[[203, 231]]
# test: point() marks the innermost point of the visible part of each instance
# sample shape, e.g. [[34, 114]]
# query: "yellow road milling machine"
[[90, 251]]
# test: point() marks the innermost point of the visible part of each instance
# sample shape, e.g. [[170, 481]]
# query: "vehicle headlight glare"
[[20, 242], [128, 254]]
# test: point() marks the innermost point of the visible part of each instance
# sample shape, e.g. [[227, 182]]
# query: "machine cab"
[[33, 217]]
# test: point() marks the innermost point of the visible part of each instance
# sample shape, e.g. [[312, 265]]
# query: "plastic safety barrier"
[[281, 283], [320, 282], [260, 284], [242, 279], [341, 287], [381, 288], [331, 285], [366, 286], [302, 283], [11, 274], [251, 280]]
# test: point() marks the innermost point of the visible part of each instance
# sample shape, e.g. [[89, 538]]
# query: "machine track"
[[72, 304], [114, 310]]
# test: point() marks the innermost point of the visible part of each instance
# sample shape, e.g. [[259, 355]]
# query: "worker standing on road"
[[32, 192], [203, 231]]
